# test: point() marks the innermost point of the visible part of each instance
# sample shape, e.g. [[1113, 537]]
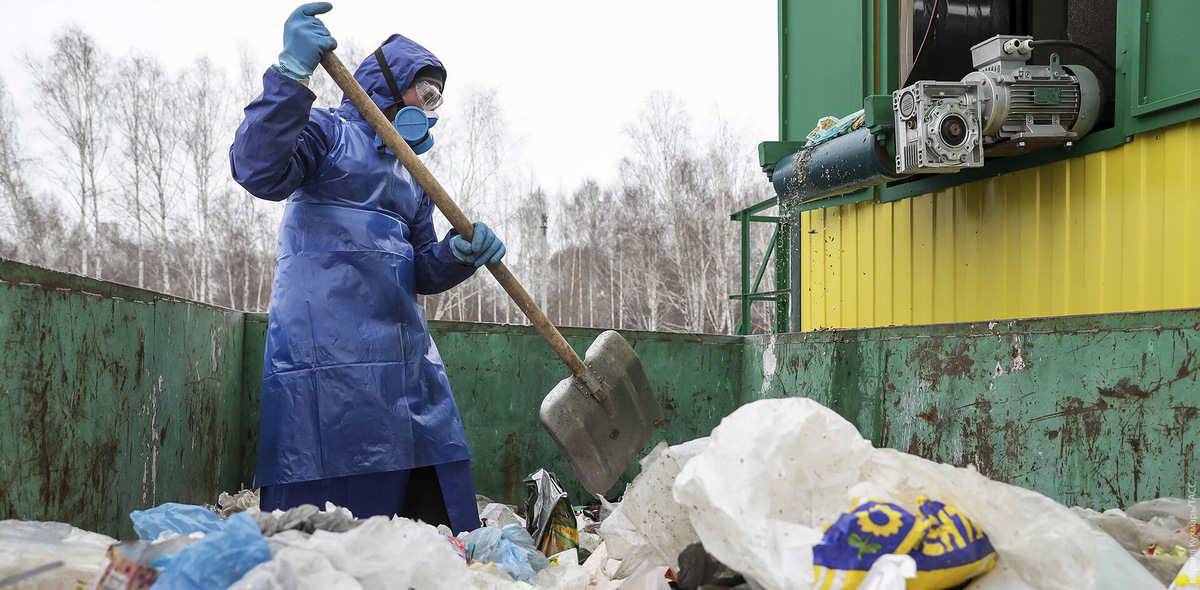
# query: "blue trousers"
[[437, 494]]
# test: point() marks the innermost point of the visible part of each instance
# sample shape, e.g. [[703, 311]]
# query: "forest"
[[119, 171]]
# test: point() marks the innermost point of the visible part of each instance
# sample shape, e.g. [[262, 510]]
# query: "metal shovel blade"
[[601, 439]]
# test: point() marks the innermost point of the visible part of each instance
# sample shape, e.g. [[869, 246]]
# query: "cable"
[[1080, 46], [932, 16]]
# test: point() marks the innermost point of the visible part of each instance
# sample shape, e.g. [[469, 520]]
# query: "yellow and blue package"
[[947, 547]]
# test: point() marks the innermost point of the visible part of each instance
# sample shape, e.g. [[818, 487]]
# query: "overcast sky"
[[569, 75]]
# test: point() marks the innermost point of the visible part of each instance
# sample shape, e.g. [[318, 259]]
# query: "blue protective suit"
[[352, 382]]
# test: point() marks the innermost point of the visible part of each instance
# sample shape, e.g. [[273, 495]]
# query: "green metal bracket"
[[877, 109], [779, 247], [771, 152]]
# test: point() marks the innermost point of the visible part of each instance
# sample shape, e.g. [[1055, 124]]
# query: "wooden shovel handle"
[[370, 111]]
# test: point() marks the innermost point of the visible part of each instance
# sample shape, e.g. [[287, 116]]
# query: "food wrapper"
[[947, 547], [561, 533]]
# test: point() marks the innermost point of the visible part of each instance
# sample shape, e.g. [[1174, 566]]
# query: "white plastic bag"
[[774, 472], [649, 527], [25, 545], [1047, 545], [890, 572], [381, 553]]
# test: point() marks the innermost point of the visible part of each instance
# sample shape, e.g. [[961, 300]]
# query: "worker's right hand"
[[305, 38]]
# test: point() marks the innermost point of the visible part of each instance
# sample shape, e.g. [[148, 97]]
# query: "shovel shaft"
[[370, 111]]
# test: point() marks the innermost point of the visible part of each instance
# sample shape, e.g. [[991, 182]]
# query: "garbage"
[[305, 518], [830, 127], [510, 548], [126, 567], [649, 528], [1138, 536], [890, 572], [947, 549], [1189, 574], [363, 557], [174, 519], [697, 568], [229, 504], [499, 515], [218, 560], [28, 545], [551, 518]]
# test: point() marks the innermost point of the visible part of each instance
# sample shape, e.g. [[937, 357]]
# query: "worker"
[[356, 407]]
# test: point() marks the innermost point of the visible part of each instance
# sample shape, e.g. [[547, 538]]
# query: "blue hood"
[[405, 58]]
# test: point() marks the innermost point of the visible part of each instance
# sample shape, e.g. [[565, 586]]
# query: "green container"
[[114, 399]]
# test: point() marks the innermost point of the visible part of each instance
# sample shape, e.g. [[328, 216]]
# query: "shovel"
[[603, 414]]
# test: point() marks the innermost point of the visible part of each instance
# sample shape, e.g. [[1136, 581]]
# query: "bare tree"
[[13, 188], [74, 95], [469, 160], [203, 121], [134, 90]]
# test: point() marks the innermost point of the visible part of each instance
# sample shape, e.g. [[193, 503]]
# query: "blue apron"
[[352, 382]]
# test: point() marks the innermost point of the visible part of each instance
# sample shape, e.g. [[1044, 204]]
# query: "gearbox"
[[1006, 107], [938, 127]]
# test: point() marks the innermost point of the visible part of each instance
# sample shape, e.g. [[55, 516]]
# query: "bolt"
[[1069, 145]]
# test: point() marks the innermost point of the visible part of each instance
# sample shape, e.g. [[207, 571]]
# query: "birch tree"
[[73, 95], [203, 122], [13, 188]]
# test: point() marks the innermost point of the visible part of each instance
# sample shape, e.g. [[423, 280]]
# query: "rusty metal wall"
[[500, 373], [1109, 232], [113, 399], [1098, 411]]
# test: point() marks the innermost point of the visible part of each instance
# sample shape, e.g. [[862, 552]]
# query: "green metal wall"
[[500, 373], [115, 399], [1097, 411]]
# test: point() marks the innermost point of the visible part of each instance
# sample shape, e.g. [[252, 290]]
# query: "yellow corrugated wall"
[[1113, 231]]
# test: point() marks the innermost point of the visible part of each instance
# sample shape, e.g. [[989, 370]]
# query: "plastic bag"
[[777, 470], [649, 526], [890, 572], [510, 548], [947, 548], [381, 553], [218, 560], [499, 515], [773, 472], [176, 519], [1189, 575], [25, 545], [1136, 537]]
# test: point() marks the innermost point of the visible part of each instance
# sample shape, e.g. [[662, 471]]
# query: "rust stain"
[[1125, 388], [934, 362], [512, 467]]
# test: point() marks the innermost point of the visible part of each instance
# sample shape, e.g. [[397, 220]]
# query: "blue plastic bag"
[[219, 559], [182, 519], [510, 548]]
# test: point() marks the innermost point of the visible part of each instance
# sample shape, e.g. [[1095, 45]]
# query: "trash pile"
[[785, 494]]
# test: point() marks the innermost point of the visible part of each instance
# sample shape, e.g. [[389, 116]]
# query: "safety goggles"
[[430, 96]]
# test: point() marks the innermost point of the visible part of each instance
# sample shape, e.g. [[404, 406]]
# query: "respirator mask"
[[413, 122]]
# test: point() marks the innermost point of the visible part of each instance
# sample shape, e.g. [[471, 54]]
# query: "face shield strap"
[[387, 75]]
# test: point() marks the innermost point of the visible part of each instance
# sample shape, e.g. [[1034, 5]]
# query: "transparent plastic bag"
[[26, 545], [510, 548], [174, 519], [218, 560]]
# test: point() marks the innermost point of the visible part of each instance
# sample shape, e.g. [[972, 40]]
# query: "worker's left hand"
[[484, 248]]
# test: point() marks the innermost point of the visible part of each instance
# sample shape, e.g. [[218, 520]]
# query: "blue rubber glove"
[[484, 248], [305, 38]]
